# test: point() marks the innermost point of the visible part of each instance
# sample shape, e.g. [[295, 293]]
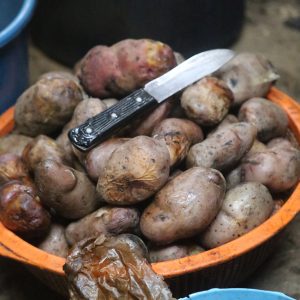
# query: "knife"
[[100, 127]]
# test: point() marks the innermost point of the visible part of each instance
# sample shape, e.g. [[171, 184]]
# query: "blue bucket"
[[14, 16], [237, 294]]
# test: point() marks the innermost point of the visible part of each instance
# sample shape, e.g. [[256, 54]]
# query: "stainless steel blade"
[[188, 72]]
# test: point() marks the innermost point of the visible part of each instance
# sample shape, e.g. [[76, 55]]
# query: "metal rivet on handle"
[[114, 115], [88, 130], [138, 99]]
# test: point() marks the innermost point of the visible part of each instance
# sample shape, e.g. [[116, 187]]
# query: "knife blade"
[[103, 125]]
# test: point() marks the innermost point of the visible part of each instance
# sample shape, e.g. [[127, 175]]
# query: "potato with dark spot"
[[13, 143], [178, 135], [269, 118], [224, 148], [47, 106], [21, 210], [55, 242], [245, 207], [69, 192], [98, 157], [207, 101], [134, 171], [106, 220], [184, 207]]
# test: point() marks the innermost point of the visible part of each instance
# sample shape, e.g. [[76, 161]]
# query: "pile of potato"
[[198, 171]]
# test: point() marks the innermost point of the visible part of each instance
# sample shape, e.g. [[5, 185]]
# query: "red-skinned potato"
[[245, 207], [134, 171], [184, 207], [69, 192], [21, 210], [106, 220], [124, 67], [13, 143]]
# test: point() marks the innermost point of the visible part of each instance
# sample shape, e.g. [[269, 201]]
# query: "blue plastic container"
[[237, 294], [14, 16]]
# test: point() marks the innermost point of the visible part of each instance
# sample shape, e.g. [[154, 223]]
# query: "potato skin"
[[21, 210], [13, 143], [269, 118], [105, 220], [229, 119], [55, 242], [245, 207], [124, 67], [98, 157], [110, 102], [134, 171], [207, 101], [184, 206], [178, 135], [47, 106], [69, 192], [224, 148]]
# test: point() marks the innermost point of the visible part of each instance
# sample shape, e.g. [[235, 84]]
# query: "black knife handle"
[[103, 125]]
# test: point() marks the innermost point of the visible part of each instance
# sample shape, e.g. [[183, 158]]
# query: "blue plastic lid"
[[237, 294], [18, 23]]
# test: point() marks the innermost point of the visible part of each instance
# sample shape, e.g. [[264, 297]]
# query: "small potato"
[[47, 106], [98, 157], [245, 207], [14, 143], [110, 102], [55, 242], [69, 192], [40, 148], [21, 210], [207, 101], [224, 148], [178, 135], [184, 207], [269, 118], [105, 220], [12, 168], [134, 171]]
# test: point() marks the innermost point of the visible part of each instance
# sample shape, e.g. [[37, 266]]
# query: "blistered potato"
[[98, 157], [245, 207], [185, 206], [270, 119], [106, 220], [207, 101], [178, 135], [134, 171], [55, 242], [224, 148], [69, 192], [13, 143]]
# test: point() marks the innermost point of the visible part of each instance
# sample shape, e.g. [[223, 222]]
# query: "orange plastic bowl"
[[223, 266]]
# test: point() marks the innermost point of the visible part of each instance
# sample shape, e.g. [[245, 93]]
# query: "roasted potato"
[[13, 143]]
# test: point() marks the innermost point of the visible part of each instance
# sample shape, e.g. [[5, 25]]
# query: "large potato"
[[13, 143], [106, 220], [184, 206], [269, 118], [245, 207], [134, 171], [224, 148], [207, 101]]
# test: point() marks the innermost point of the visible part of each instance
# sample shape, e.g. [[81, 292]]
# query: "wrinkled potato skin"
[[105, 220], [207, 101], [13, 143], [40, 148], [55, 242], [224, 148], [135, 171], [245, 207], [69, 192], [12, 168], [21, 210], [47, 106], [269, 119], [178, 135], [98, 157], [124, 67], [184, 206]]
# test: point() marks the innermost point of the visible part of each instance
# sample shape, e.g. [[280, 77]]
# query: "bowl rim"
[[14, 247]]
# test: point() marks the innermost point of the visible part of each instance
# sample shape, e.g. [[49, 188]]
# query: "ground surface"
[[264, 32]]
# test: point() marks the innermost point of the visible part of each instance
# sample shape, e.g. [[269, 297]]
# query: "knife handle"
[[103, 125]]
